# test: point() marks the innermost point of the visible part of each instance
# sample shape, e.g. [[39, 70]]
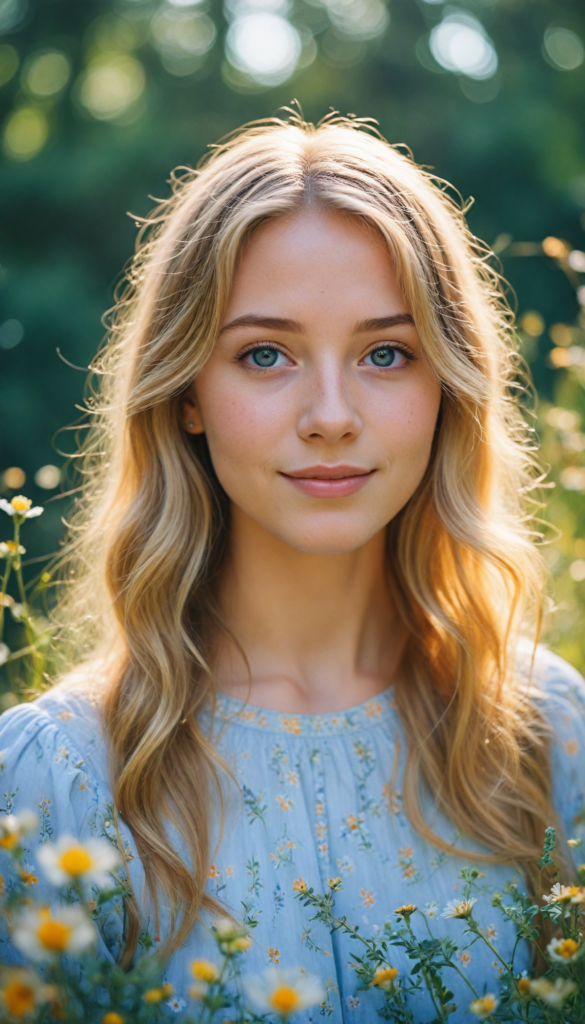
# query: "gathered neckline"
[[362, 716]]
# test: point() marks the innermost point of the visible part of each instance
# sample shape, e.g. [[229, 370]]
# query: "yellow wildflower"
[[153, 995], [405, 911], [299, 885], [112, 1018], [204, 970], [334, 884], [385, 977]]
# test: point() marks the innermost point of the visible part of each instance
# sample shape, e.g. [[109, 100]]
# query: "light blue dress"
[[319, 796]]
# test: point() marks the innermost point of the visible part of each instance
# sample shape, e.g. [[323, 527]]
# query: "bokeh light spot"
[[562, 335], [264, 46], [532, 323], [12, 13], [14, 478], [576, 260], [25, 133], [556, 248], [8, 63], [111, 85], [360, 19], [182, 38], [48, 477], [11, 333], [459, 43], [47, 73], [563, 49], [573, 478]]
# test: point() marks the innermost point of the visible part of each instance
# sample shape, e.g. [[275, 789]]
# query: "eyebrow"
[[277, 323]]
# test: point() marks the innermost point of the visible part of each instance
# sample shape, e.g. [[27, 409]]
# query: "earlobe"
[[192, 421]]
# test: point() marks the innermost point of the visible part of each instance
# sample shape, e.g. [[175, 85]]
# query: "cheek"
[[407, 424], [241, 430]]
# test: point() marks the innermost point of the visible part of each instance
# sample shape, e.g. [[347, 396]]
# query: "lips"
[[330, 481]]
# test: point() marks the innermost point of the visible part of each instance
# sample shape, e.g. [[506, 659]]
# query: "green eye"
[[264, 357], [385, 356]]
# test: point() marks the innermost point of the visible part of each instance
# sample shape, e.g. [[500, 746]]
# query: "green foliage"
[[556, 995], [67, 980]]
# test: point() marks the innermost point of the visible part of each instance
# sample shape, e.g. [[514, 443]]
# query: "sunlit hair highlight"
[[149, 534]]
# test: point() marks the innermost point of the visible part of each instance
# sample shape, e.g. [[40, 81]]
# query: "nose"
[[329, 412]]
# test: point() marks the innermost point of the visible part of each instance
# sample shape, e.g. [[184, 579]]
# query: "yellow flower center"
[[524, 984], [20, 503], [384, 975], [112, 1018], [486, 1004], [567, 948], [204, 970], [285, 999], [54, 935], [19, 998], [8, 840], [76, 861], [242, 944]]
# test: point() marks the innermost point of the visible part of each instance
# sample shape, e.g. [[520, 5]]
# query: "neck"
[[319, 631]]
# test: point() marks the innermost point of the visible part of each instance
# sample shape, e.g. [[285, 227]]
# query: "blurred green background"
[[99, 99]]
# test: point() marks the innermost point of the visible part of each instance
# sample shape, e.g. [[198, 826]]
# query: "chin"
[[328, 541]]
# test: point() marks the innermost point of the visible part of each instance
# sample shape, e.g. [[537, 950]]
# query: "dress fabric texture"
[[316, 796]]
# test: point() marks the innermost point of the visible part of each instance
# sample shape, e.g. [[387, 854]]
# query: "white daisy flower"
[[559, 894], [4, 653], [564, 951], [52, 931], [554, 995], [176, 1004], [69, 860], [484, 1006], [13, 827], [20, 506], [461, 909], [284, 992], [21, 990]]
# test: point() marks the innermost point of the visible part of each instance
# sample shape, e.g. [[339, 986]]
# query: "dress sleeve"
[[41, 771], [564, 709]]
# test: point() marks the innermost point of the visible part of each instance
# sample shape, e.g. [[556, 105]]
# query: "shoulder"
[[62, 725], [553, 683], [559, 691]]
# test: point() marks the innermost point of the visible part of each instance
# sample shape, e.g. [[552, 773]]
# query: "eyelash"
[[403, 349]]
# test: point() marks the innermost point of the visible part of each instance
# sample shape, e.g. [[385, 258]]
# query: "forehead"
[[314, 258]]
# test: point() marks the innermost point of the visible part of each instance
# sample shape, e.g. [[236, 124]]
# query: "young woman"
[[306, 582]]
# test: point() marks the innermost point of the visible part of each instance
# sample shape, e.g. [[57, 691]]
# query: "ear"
[[191, 416]]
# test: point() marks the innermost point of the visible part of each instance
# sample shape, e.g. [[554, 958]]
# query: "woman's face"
[[318, 406]]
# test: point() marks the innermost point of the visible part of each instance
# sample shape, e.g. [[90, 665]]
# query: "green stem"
[[440, 1010], [5, 579]]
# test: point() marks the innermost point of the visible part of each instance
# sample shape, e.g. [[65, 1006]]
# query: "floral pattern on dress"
[[316, 796]]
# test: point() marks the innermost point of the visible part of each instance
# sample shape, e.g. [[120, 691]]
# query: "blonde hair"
[[150, 531]]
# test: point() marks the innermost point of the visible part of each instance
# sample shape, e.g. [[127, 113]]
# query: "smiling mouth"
[[329, 481], [328, 473]]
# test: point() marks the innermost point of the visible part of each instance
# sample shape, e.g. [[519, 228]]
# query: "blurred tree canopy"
[[99, 100]]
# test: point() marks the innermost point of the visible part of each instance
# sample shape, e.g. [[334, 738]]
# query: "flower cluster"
[[66, 980], [556, 993]]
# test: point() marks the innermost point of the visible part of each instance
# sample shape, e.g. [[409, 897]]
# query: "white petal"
[[33, 512], [6, 506]]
